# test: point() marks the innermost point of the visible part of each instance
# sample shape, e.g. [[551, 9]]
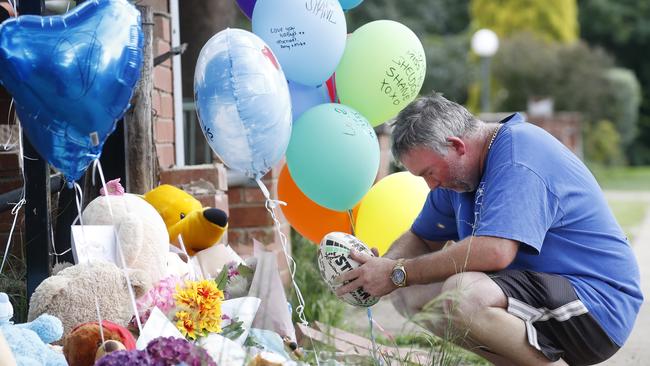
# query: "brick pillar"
[[162, 97], [250, 220]]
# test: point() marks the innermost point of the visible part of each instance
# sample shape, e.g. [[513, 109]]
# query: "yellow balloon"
[[389, 208]]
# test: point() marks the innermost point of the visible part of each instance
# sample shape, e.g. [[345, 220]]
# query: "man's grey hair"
[[427, 122]]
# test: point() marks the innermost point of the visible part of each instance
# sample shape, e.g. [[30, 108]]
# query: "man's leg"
[[477, 307]]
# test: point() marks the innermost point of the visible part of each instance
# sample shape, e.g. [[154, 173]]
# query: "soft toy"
[[141, 232], [29, 342], [70, 294], [199, 227], [84, 343]]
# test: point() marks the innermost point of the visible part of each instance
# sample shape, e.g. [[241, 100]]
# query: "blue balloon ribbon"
[[72, 78]]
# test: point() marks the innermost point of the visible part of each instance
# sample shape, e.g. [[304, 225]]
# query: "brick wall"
[[162, 96]]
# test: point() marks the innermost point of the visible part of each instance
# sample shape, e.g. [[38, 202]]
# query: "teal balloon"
[[333, 155]]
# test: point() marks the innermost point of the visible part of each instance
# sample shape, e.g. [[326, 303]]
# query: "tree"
[[434, 17], [621, 27], [552, 20]]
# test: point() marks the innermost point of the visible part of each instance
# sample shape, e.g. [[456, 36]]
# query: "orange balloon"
[[308, 218]]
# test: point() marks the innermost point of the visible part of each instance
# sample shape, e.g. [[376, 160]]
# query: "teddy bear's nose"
[[216, 216]]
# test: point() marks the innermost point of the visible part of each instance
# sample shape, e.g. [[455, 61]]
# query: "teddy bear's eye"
[[182, 215]]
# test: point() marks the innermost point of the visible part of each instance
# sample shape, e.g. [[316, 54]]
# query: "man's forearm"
[[408, 245], [483, 254]]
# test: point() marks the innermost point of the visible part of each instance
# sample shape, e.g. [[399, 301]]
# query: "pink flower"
[[160, 296], [114, 188]]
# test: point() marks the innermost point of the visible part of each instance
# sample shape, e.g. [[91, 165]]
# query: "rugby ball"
[[334, 259]]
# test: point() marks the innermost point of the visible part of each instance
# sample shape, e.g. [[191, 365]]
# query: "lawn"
[[622, 178], [630, 215]]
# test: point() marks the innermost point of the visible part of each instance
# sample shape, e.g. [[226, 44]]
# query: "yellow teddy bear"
[[199, 227]]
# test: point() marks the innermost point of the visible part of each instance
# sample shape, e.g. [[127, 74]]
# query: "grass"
[[622, 178]]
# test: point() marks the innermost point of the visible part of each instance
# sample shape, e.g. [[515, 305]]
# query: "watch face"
[[397, 276]]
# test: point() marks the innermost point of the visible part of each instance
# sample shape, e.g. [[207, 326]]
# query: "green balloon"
[[382, 70], [333, 155]]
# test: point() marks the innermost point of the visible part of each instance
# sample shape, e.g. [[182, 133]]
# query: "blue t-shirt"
[[537, 192]]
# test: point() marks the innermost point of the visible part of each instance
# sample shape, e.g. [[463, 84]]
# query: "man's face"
[[445, 171]]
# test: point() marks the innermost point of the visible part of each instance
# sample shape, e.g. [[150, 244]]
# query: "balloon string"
[[98, 165], [79, 199], [372, 337], [270, 205], [351, 217], [7, 145], [14, 212]]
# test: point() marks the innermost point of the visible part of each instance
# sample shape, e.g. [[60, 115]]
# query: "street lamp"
[[485, 44]]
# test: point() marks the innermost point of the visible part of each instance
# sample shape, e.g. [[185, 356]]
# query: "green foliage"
[[623, 103], [602, 144], [442, 17], [552, 20], [448, 68], [320, 303], [621, 27], [526, 67], [574, 75]]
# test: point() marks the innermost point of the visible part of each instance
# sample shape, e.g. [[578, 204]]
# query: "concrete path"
[[636, 351]]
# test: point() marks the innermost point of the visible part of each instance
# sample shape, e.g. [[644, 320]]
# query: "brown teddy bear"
[[84, 343]]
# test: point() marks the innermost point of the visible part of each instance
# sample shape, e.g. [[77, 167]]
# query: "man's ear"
[[457, 145]]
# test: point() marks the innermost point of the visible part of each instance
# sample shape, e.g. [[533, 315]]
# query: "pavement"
[[635, 352]]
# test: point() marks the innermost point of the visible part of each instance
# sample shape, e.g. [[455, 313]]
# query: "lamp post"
[[485, 44]]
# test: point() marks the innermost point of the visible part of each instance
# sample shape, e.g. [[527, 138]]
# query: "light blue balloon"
[[349, 4], [333, 156], [72, 77], [243, 102], [304, 97], [308, 36]]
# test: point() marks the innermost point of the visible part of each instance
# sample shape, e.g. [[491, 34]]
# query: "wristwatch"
[[398, 275]]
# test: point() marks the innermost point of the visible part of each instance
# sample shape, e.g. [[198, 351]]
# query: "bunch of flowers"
[[162, 351], [198, 308], [235, 280]]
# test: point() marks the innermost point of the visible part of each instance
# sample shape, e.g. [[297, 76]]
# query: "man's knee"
[[464, 294]]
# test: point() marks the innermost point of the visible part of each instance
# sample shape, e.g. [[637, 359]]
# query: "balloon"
[[333, 155], [304, 97], [243, 102], [308, 218], [308, 36], [349, 4], [389, 208], [382, 70], [72, 77], [246, 7]]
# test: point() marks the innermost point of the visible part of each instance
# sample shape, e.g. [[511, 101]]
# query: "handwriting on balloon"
[[355, 122], [288, 37], [403, 77], [323, 9]]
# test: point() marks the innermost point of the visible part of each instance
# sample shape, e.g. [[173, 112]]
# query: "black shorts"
[[557, 323]]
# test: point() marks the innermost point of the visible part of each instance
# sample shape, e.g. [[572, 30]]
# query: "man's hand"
[[373, 275]]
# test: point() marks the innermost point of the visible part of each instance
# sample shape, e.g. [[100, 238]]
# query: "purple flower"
[[125, 358], [168, 351]]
